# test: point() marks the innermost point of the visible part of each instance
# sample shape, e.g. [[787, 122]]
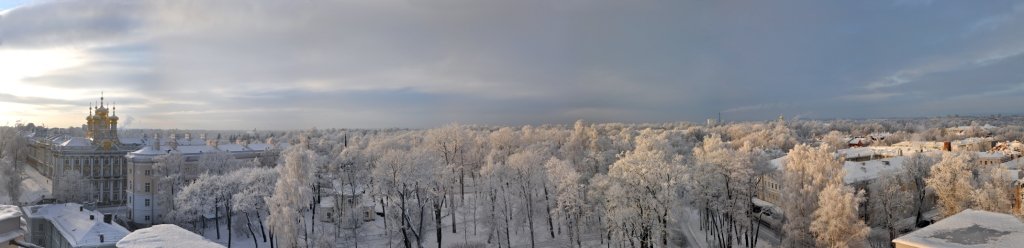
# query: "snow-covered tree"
[[569, 197], [292, 196], [403, 177], [834, 139], [169, 173], [643, 186], [835, 221], [257, 185], [916, 168], [994, 189], [73, 187], [952, 181], [526, 170], [890, 202], [806, 172]]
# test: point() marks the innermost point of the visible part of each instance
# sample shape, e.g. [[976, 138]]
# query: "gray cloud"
[[294, 64]]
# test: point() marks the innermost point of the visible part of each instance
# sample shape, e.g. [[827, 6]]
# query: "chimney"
[[947, 146], [108, 218], [156, 142], [80, 208], [92, 217], [101, 238]]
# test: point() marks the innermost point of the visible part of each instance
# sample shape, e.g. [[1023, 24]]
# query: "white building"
[[969, 228], [165, 235], [99, 156], [141, 176], [71, 225]]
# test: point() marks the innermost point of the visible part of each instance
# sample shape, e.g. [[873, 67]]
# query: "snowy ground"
[[688, 225], [373, 235], [34, 187]]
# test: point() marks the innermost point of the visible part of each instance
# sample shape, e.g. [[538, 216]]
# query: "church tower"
[[101, 128]]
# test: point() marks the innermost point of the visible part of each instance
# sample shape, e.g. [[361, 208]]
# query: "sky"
[[244, 64]]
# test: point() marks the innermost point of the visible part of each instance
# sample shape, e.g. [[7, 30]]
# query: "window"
[[147, 217], [147, 204], [147, 187], [147, 172]]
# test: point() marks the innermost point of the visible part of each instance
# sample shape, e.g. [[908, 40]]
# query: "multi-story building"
[[99, 156], [71, 225], [142, 174]]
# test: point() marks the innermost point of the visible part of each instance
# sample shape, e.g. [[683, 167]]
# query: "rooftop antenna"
[[101, 98]]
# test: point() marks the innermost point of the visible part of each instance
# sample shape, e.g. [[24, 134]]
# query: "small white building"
[[969, 228], [165, 235], [71, 225]]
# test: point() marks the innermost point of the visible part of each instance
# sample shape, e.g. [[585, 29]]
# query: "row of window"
[[97, 171]]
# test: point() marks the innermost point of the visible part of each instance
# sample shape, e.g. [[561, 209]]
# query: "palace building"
[[99, 156]]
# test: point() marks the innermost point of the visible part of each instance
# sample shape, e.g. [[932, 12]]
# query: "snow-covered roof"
[[76, 142], [11, 226], [869, 170], [1014, 164], [74, 224], [131, 140], [200, 149], [858, 171], [147, 150], [991, 155], [971, 140], [969, 228], [165, 235], [194, 149]]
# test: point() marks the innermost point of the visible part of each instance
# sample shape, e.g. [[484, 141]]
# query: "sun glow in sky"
[[22, 64]]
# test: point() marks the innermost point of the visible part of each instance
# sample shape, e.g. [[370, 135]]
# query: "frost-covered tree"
[[73, 187], [257, 185], [13, 152], [835, 221], [916, 168], [403, 178], [806, 172], [952, 181], [569, 197], [722, 185], [292, 196], [890, 201], [526, 170], [169, 174], [994, 189], [834, 139], [643, 187]]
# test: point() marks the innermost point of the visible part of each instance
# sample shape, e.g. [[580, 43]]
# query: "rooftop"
[[74, 224], [11, 226], [165, 235], [970, 228]]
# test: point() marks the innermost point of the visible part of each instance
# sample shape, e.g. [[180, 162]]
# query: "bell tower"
[[101, 125]]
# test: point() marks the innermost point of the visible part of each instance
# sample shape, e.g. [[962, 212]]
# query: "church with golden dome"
[[100, 127], [98, 155]]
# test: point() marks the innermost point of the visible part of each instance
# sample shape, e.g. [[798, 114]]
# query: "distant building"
[[165, 235], [71, 225], [99, 156], [143, 210], [969, 228]]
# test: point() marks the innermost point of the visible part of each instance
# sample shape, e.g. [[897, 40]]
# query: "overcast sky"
[[391, 63]]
